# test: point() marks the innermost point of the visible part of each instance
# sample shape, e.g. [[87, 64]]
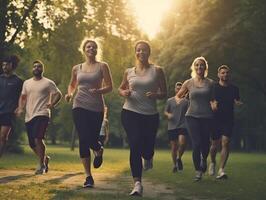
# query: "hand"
[[18, 112], [214, 105], [126, 93], [94, 91], [151, 95], [170, 116], [68, 97], [50, 105]]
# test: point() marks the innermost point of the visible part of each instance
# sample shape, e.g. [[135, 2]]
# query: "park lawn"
[[247, 176]]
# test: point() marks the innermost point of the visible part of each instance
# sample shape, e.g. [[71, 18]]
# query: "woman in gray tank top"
[[92, 79], [199, 114], [141, 86]]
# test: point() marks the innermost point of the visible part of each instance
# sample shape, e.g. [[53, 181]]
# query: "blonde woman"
[[199, 115]]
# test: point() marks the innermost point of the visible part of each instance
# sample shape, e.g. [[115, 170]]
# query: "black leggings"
[[88, 125], [141, 132], [199, 130]]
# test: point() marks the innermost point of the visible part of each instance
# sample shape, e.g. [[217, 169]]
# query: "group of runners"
[[201, 108]]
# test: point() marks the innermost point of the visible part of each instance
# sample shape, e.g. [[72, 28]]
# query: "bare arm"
[[123, 89], [21, 104], [162, 90], [54, 99], [108, 82], [72, 85], [184, 90]]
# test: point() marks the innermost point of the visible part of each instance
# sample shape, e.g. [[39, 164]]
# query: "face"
[[200, 67], [90, 49], [142, 52], [224, 74], [177, 88], [37, 69], [7, 67]]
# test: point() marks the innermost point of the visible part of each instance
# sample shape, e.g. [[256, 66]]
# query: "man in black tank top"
[[226, 95]]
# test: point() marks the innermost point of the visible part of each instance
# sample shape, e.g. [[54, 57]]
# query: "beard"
[[37, 73]]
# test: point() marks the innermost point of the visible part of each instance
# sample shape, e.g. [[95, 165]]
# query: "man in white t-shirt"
[[39, 95]]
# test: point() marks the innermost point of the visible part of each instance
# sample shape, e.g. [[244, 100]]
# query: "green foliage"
[[225, 32]]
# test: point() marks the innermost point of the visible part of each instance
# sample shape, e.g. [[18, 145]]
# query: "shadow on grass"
[[8, 179], [62, 178]]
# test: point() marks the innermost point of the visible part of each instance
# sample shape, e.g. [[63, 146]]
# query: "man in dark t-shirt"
[[226, 95], [10, 88]]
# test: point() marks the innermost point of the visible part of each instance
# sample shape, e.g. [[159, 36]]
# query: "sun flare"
[[149, 14]]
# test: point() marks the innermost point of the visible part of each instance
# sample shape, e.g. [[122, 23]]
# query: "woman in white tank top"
[[141, 86], [92, 79]]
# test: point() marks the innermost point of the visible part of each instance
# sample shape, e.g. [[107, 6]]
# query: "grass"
[[247, 177]]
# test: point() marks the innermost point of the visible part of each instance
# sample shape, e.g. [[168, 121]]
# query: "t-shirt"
[[38, 95], [225, 95], [10, 88], [178, 111]]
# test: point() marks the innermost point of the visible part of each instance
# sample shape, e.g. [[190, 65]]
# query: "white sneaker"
[[221, 175], [148, 164], [212, 169], [40, 170], [137, 190], [198, 176]]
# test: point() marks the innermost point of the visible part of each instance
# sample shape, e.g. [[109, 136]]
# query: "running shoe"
[[98, 159], [179, 164], [212, 169], [89, 182], [148, 164], [137, 190], [198, 176], [222, 175], [40, 170]]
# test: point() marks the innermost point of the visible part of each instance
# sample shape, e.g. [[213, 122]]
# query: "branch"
[[26, 14]]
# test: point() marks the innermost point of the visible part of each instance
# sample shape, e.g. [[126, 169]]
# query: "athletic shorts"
[[36, 128], [174, 133], [222, 127], [7, 119]]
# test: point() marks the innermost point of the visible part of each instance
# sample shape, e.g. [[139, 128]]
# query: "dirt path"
[[104, 183]]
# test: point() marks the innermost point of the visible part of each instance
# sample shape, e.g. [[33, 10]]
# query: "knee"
[[225, 143]]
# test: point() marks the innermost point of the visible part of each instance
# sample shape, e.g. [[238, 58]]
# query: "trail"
[[73, 180]]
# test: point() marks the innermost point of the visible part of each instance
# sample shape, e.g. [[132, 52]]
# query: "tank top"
[[199, 99], [137, 101], [85, 81]]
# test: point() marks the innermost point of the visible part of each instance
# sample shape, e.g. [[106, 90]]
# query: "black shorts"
[[7, 119], [36, 128], [174, 133], [222, 127]]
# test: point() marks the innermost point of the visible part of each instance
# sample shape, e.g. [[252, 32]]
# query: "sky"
[[149, 14]]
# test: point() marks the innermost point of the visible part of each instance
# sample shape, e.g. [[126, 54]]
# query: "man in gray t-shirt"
[[175, 110]]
